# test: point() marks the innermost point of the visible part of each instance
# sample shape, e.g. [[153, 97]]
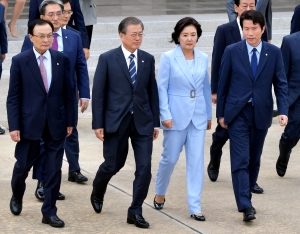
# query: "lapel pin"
[[142, 61], [66, 37], [57, 64], [266, 54]]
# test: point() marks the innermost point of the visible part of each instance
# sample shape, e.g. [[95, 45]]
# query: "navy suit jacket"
[[3, 37], [226, 34], [237, 84], [73, 49], [291, 58], [295, 23], [76, 19], [113, 93], [29, 106]]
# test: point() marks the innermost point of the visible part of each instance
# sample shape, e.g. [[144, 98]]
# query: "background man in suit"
[[40, 104], [263, 6], [76, 21], [291, 58], [125, 104], [3, 44], [295, 23], [69, 43], [226, 34], [245, 103]]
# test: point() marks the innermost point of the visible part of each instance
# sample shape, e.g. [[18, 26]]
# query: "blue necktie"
[[254, 62], [132, 72]]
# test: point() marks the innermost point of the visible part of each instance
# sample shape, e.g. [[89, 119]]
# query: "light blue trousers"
[[193, 140]]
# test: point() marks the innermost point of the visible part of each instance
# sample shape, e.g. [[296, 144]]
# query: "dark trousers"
[[115, 150], [71, 146], [26, 153], [291, 134], [219, 138], [246, 145], [89, 29]]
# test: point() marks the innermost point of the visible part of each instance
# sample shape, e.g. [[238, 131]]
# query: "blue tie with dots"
[[132, 72]]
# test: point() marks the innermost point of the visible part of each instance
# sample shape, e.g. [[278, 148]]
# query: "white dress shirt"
[[60, 40], [47, 63], [240, 28]]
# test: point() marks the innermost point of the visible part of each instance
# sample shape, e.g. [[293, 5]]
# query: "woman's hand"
[[168, 123], [208, 125]]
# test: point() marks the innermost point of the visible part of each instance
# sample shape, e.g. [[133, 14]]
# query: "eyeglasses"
[[42, 37], [58, 14], [67, 12], [135, 35]]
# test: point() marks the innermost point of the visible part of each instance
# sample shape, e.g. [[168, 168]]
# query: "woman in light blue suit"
[[185, 109]]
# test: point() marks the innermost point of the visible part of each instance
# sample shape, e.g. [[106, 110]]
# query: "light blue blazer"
[[184, 97]]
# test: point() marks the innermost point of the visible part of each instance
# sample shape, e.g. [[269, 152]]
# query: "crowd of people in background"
[[129, 102]]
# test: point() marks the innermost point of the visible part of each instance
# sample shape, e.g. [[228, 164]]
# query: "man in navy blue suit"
[[69, 43], [226, 34], [76, 21], [291, 58], [245, 103], [3, 44], [40, 104], [125, 104]]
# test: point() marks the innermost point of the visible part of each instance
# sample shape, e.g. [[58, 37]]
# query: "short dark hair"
[[237, 2], [181, 24], [255, 16], [127, 21], [45, 3], [66, 1], [35, 22]]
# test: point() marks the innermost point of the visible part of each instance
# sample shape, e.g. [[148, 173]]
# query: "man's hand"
[[208, 125], [3, 57], [83, 103], [99, 133], [69, 131], [168, 123], [155, 134], [15, 135], [214, 98], [222, 122], [283, 120], [86, 52]]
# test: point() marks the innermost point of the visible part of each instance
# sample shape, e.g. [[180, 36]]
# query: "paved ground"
[[277, 209]]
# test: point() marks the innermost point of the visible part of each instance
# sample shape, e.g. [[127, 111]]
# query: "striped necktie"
[[55, 42], [132, 72]]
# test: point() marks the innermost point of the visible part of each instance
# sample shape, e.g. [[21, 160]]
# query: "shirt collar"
[[128, 53], [37, 54], [59, 32], [250, 47], [64, 27]]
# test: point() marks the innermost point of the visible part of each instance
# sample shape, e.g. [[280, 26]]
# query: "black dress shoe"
[[76, 176], [257, 189], [15, 206], [53, 221], [253, 209], [198, 217], [138, 220], [39, 192], [248, 214], [97, 203], [2, 131], [158, 206], [281, 168], [213, 172], [60, 196]]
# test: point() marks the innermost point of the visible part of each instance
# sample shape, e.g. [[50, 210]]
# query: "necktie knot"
[[132, 56], [254, 50], [42, 58], [55, 35]]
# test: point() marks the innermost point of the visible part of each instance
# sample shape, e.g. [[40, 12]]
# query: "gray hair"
[[42, 8], [127, 21]]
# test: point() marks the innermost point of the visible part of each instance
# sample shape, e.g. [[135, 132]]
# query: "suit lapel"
[[235, 31], [262, 59], [122, 62], [55, 74], [198, 64], [179, 57], [245, 59], [33, 66], [140, 67], [66, 41]]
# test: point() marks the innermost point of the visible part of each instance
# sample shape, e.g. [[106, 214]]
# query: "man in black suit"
[[125, 104], [226, 34], [295, 22], [40, 104]]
